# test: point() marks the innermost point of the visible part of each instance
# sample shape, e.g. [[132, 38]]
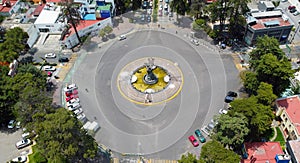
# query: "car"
[[149, 18], [11, 124], [50, 55], [74, 100], [166, 7], [211, 126], [81, 117], [232, 94], [291, 7], [228, 99], [23, 143], [149, 11], [19, 159], [78, 111], [223, 111], [160, 0], [195, 42], [200, 136], [145, 4], [70, 87], [171, 14], [18, 125], [71, 97], [293, 10], [193, 141], [122, 37], [167, 1], [150, 4], [63, 59], [160, 7], [70, 93], [206, 130], [25, 135], [296, 13], [49, 68], [74, 106]]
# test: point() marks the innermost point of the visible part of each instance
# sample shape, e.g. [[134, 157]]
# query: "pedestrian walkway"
[[116, 160]]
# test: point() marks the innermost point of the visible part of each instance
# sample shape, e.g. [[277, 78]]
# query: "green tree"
[[179, 6], [189, 158], [214, 152], [231, 130], [265, 45], [108, 29], [61, 138], [196, 8], [275, 72], [250, 81], [265, 94]]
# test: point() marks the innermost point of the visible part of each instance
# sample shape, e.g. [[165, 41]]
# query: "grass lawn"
[[36, 156], [280, 137]]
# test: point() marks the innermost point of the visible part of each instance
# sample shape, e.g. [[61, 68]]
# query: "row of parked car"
[[73, 102], [208, 129]]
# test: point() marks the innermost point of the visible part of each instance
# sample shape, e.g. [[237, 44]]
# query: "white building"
[[48, 21]]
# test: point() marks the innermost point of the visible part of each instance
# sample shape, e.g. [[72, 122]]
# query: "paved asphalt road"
[[158, 131]]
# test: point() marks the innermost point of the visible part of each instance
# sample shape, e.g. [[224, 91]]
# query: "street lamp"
[[295, 32]]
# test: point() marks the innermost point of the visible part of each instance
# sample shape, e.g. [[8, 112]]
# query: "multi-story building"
[[288, 109], [293, 148], [267, 20]]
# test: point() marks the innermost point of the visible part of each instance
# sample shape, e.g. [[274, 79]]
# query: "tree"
[[214, 152], [231, 130], [275, 72], [196, 8], [250, 81], [265, 94], [72, 15], [189, 158], [179, 7], [258, 115], [61, 138], [265, 45]]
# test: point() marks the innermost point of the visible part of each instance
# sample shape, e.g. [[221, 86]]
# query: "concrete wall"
[[34, 34]]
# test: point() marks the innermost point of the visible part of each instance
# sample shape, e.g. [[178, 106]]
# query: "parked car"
[[11, 124], [70, 87], [25, 135], [78, 111], [170, 14], [122, 37], [70, 93], [143, 17], [81, 117], [228, 99], [19, 159], [200, 136], [291, 7], [63, 59], [293, 10], [211, 126], [74, 100], [49, 68], [71, 97], [149, 18], [23, 143], [296, 13], [73, 107], [232, 94], [195, 42], [206, 130], [160, 7], [193, 141], [18, 125], [75, 104], [50, 55], [223, 111]]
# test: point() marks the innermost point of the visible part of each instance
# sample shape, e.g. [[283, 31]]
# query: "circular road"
[[161, 129]]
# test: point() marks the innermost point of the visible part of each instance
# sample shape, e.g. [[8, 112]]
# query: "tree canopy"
[[214, 152], [189, 158]]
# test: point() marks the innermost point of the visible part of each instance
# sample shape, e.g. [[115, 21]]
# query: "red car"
[[71, 97], [193, 141], [69, 93], [291, 7]]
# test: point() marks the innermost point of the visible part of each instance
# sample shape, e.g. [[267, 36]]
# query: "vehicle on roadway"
[[19, 159], [70, 87], [228, 99], [23, 143], [122, 37], [73, 92], [71, 97], [50, 55], [232, 94], [49, 68], [193, 141], [200, 136], [195, 42], [296, 13], [293, 10], [291, 7]]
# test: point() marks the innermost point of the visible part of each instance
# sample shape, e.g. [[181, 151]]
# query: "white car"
[[74, 101], [205, 130], [78, 111], [25, 135], [11, 124], [223, 111], [160, 7], [74, 106], [81, 117], [122, 37], [50, 55], [70, 87], [195, 42], [49, 68], [20, 159], [23, 143]]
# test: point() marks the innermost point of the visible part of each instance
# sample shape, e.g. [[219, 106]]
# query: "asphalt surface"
[[207, 77]]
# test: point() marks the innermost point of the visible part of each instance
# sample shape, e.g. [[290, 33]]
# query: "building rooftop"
[[38, 9], [292, 107], [295, 146], [267, 22], [262, 152], [83, 24], [47, 17], [4, 7]]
